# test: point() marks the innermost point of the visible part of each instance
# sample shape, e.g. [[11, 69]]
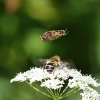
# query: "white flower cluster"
[[83, 83], [56, 79], [90, 94]]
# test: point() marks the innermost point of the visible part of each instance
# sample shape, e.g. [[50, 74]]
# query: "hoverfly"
[[51, 63], [52, 35]]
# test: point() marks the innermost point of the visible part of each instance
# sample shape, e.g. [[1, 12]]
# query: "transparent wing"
[[68, 63], [43, 61], [63, 63]]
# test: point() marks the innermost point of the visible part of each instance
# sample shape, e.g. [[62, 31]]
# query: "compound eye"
[[44, 36]]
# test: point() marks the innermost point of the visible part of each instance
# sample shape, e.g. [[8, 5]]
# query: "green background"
[[21, 24]]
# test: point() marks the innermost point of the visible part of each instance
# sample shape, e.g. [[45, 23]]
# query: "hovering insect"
[[52, 35], [51, 63]]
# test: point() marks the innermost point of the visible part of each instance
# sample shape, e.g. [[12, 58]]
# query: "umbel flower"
[[53, 82]]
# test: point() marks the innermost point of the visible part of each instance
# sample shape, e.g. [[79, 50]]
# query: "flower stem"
[[64, 90], [70, 92], [38, 90], [59, 91], [50, 92]]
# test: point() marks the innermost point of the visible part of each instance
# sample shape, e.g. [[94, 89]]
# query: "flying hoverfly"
[[52, 35]]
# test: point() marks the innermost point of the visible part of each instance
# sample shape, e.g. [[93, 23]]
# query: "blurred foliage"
[[21, 24]]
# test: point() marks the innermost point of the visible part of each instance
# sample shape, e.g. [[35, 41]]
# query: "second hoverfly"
[[51, 63], [52, 35]]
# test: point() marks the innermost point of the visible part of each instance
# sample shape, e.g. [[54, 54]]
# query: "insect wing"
[[43, 61]]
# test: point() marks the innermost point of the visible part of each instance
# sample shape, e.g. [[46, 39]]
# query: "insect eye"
[[44, 36]]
